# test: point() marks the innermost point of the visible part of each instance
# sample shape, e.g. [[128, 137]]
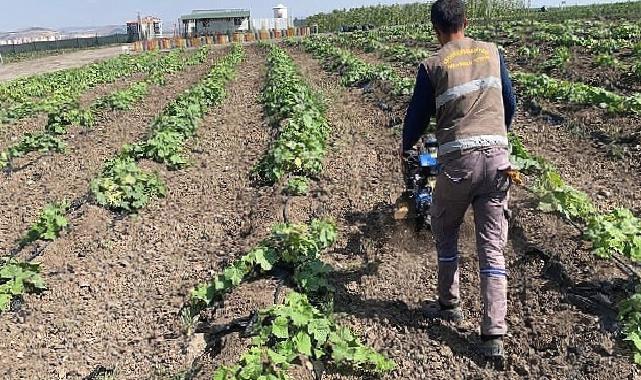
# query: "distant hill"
[[99, 30], [48, 34]]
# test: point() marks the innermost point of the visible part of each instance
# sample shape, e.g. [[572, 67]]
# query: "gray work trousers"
[[475, 177]]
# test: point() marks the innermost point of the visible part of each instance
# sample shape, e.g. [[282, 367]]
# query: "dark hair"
[[448, 16]]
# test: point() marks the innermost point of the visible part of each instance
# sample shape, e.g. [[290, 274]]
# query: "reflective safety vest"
[[466, 77]]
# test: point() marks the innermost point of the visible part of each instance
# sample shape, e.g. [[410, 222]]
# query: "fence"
[[171, 43], [75, 43]]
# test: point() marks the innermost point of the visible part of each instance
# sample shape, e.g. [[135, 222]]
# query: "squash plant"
[[295, 247], [299, 113], [50, 223], [293, 330], [123, 186], [16, 279]]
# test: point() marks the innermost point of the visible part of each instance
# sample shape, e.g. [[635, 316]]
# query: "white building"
[[212, 22]]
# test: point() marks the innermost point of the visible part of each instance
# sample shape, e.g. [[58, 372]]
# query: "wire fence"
[[74, 43]]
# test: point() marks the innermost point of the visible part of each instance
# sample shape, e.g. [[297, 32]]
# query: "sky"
[[18, 14]]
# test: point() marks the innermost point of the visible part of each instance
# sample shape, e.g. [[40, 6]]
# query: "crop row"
[[303, 328], [71, 113], [298, 115], [614, 233], [538, 85], [46, 92], [50, 92], [354, 71], [617, 232], [122, 185]]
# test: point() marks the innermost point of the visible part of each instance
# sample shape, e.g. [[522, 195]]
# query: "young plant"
[[164, 147], [608, 60], [295, 329], [528, 52], [520, 157], [31, 142], [630, 316], [559, 58], [123, 99], [295, 247], [60, 120], [297, 186], [300, 146], [123, 186], [616, 232], [16, 279], [556, 196], [51, 222]]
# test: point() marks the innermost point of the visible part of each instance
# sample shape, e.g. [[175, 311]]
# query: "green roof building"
[[215, 21]]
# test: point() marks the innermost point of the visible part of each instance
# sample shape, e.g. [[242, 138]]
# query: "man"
[[466, 86]]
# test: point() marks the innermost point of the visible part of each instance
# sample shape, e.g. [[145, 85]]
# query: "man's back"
[[466, 78]]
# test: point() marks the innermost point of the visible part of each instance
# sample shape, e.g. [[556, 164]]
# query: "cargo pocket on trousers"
[[454, 185], [502, 180]]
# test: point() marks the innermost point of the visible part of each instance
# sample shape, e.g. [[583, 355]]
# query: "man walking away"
[[466, 86]]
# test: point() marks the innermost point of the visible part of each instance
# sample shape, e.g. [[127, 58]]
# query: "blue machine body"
[[426, 160]]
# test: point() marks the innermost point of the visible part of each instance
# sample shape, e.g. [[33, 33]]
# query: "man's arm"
[[509, 100], [421, 108]]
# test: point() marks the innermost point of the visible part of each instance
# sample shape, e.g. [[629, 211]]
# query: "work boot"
[[492, 346], [452, 313]]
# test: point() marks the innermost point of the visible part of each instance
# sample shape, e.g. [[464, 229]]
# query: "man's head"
[[448, 19]]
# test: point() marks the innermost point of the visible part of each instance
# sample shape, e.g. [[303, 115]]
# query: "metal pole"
[[249, 5]]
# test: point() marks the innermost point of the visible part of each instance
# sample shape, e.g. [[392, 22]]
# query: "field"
[[161, 209], [13, 68]]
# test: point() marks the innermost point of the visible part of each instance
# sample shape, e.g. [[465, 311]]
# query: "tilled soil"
[[610, 181], [40, 179], [561, 298], [117, 285]]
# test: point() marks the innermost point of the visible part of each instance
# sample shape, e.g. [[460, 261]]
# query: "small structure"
[[280, 17], [145, 28], [211, 22]]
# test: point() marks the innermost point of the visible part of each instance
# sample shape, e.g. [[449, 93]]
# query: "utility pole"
[[139, 27]]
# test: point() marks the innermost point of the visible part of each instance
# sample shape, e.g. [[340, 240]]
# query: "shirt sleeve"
[[422, 107], [509, 99]]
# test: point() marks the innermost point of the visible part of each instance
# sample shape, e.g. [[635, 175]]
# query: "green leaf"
[[280, 327], [303, 343], [319, 328]]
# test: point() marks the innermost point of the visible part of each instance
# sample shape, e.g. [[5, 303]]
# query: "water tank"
[[280, 11]]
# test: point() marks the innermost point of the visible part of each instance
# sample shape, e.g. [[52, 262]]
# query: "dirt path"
[[116, 287], [54, 178], [386, 272], [15, 70]]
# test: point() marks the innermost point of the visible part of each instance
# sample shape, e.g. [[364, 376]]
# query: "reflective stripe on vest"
[[481, 141], [466, 88]]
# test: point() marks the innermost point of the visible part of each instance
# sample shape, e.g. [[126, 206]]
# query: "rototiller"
[[420, 172]]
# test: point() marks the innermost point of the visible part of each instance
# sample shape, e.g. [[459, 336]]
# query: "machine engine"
[[421, 170]]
